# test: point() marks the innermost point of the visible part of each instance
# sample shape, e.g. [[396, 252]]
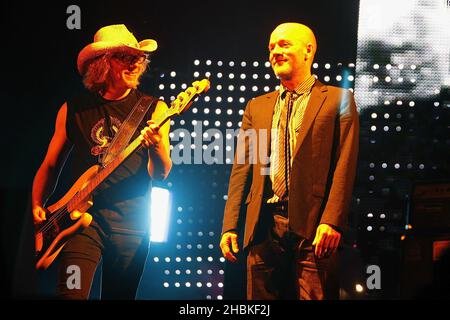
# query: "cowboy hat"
[[113, 38]]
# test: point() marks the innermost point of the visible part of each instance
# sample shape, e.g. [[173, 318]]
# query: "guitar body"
[[50, 240]]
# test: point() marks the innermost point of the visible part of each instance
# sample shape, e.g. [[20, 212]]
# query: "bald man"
[[297, 203]]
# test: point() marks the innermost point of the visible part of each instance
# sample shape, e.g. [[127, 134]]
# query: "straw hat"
[[114, 38]]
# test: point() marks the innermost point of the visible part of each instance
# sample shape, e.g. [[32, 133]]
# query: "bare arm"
[[46, 178], [157, 142]]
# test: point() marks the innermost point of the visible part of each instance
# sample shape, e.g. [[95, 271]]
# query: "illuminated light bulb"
[[196, 62], [359, 288]]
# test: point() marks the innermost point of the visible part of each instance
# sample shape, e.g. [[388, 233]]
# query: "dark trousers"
[[123, 255], [284, 266]]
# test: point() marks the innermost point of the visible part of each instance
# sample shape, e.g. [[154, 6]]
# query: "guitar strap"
[[127, 129]]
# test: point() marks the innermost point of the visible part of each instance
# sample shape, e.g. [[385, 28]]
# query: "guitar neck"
[[105, 172]]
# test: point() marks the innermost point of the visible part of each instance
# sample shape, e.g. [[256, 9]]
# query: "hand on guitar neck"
[[39, 214], [151, 136]]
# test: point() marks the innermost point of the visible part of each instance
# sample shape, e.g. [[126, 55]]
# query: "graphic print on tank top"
[[100, 135]]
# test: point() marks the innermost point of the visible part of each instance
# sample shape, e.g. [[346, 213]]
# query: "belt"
[[280, 208]]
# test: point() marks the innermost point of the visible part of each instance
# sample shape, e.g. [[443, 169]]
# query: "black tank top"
[[121, 202]]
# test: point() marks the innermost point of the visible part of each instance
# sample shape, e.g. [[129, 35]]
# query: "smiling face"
[[126, 69], [291, 51]]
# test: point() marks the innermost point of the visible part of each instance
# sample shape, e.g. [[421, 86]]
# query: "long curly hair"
[[98, 73]]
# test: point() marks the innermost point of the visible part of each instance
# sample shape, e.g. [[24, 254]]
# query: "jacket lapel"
[[267, 115], [318, 96]]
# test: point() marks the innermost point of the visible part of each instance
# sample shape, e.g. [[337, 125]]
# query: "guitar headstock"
[[185, 99]]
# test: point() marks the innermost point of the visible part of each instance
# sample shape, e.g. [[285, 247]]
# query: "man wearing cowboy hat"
[[111, 67]]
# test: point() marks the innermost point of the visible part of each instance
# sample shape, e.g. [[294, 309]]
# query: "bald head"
[[297, 31], [292, 47]]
